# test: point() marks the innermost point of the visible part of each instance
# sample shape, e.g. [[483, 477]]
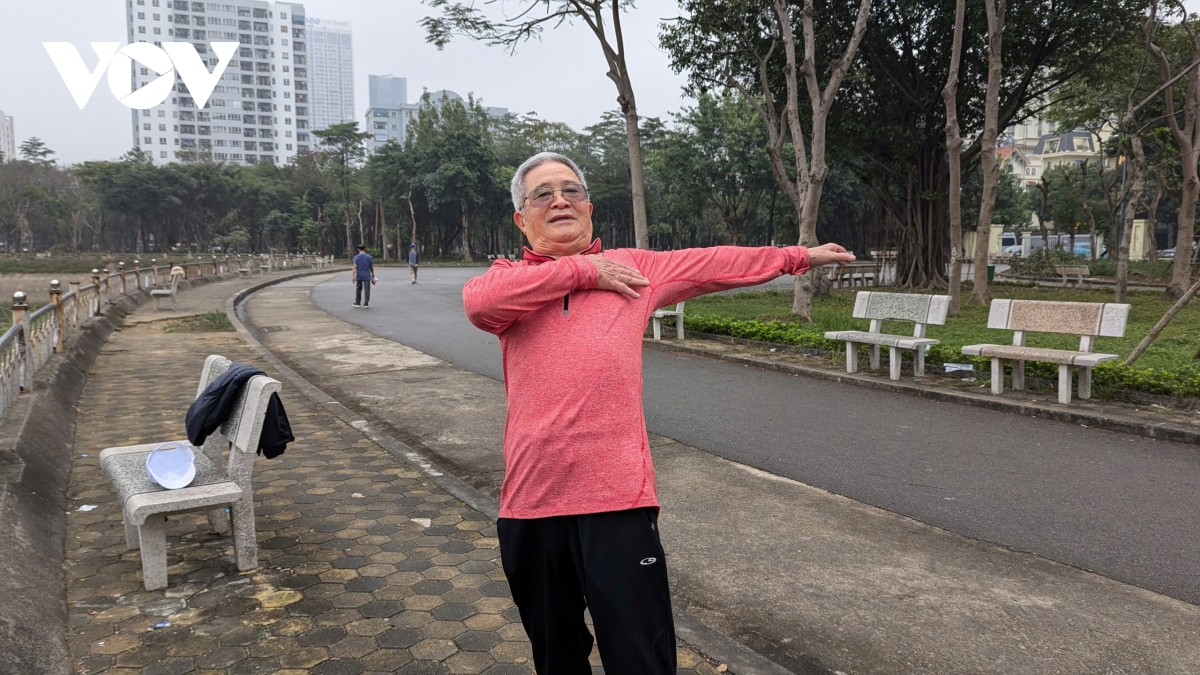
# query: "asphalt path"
[[1124, 506]]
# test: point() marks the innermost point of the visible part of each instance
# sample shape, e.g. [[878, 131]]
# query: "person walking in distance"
[[363, 276], [578, 524], [413, 259]]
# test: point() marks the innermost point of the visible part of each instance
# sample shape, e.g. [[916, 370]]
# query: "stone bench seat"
[[922, 310], [882, 339], [140, 496], [1088, 320], [1077, 273], [1069, 357]]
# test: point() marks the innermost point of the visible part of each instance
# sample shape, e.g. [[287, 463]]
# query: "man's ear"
[[519, 219]]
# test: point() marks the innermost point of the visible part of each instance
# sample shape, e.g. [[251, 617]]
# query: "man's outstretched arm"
[[680, 275]]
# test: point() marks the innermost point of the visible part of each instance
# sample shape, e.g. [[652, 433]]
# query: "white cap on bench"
[[171, 465]]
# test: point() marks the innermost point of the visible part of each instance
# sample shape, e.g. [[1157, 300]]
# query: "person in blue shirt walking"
[[413, 259], [363, 276]]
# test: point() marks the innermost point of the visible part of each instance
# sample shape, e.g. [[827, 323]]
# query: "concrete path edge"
[[1165, 431], [36, 441], [711, 642]]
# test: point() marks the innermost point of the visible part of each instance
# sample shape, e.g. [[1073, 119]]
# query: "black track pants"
[[362, 287], [613, 564]]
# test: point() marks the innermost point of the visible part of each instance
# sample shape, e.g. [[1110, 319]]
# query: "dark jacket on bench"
[[210, 410]]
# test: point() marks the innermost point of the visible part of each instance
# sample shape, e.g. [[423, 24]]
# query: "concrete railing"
[[35, 336]]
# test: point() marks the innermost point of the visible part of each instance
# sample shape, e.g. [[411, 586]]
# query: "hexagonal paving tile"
[[477, 641]]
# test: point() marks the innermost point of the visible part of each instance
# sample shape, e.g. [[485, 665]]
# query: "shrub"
[[1109, 379], [1038, 265]]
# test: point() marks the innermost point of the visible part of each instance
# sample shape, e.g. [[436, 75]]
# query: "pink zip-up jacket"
[[575, 438]]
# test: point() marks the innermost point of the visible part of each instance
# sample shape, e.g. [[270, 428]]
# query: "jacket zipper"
[[567, 304]]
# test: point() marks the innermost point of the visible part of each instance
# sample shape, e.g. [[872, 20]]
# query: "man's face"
[[561, 227]]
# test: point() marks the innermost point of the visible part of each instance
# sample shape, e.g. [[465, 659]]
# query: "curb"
[[712, 643], [1165, 431]]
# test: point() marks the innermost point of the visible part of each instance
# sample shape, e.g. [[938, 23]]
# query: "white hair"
[[518, 181]]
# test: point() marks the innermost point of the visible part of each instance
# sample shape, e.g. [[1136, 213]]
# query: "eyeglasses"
[[543, 196]]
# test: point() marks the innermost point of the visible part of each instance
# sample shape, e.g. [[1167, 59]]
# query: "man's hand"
[[614, 276], [828, 254]]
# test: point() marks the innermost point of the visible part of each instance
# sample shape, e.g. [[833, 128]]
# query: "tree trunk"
[[466, 232], [1043, 208], [362, 239], [981, 294], [633, 139], [383, 231], [1135, 190], [1187, 136], [1181, 267], [412, 214], [954, 145], [1152, 219], [1087, 208]]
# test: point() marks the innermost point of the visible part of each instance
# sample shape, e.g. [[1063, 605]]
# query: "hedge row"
[[1108, 379]]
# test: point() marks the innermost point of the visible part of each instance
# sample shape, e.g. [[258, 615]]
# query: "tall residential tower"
[[8, 138], [330, 72], [259, 112]]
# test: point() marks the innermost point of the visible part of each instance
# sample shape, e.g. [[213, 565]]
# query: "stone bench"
[[218, 482], [177, 274], [244, 270], [922, 310], [1076, 272], [675, 315], [1085, 319], [853, 275]]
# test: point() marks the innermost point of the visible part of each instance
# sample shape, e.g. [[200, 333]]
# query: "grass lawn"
[[769, 315], [209, 322]]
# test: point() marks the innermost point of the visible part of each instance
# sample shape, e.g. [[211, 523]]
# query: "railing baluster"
[[20, 317], [60, 329]]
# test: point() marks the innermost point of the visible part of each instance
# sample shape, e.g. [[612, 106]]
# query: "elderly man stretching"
[[578, 512]]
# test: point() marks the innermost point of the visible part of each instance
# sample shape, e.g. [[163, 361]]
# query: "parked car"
[[1011, 250]]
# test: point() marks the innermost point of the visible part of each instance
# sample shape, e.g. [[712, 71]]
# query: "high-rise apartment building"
[[258, 112], [330, 72], [8, 138], [389, 113], [389, 110]]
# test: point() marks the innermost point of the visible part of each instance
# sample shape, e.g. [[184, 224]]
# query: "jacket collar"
[[531, 256]]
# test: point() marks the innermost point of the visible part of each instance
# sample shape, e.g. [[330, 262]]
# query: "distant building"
[[259, 110], [1036, 146], [330, 72], [8, 138], [389, 112]]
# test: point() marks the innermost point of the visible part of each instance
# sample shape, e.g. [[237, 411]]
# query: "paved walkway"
[[365, 566], [789, 569]]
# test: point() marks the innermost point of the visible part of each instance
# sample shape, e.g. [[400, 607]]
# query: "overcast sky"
[[561, 78]]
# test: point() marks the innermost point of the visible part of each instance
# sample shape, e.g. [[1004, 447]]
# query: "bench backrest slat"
[[1072, 269], [1106, 319], [903, 306]]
